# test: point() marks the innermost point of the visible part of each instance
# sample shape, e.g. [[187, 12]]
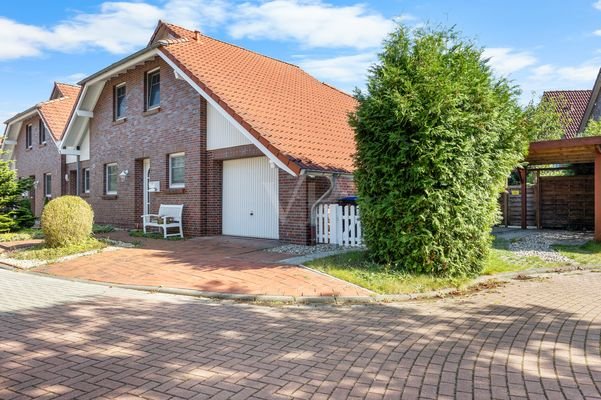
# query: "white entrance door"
[[250, 198], [146, 180]]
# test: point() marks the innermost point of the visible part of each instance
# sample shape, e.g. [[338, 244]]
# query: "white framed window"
[[177, 170], [120, 101], [86, 180], [28, 136], [153, 89], [111, 176], [42, 132], [48, 185]]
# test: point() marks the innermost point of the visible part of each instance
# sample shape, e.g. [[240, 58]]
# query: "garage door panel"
[[250, 198]]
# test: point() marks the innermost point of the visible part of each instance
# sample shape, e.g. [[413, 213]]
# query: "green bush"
[[67, 221], [23, 215], [7, 223], [437, 135]]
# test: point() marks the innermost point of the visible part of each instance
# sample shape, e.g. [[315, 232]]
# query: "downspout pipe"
[[333, 179]]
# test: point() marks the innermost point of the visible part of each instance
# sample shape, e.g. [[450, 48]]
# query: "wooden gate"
[[512, 206], [336, 224]]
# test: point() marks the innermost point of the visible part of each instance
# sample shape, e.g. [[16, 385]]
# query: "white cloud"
[[572, 74], [118, 27], [505, 60], [343, 69], [312, 23], [597, 4], [73, 78]]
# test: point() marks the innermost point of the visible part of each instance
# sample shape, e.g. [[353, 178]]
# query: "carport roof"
[[564, 151]]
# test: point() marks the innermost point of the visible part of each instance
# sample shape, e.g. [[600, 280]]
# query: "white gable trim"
[[227, 116], [13, 128]]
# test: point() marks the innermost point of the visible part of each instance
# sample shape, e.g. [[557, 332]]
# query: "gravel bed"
[[538, 244], [301, 250]]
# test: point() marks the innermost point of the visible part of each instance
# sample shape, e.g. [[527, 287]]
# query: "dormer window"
[[42, 132], [153, 89], [28, 136], [119, 101]]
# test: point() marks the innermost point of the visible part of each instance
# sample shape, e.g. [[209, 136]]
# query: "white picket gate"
[[339, 225]]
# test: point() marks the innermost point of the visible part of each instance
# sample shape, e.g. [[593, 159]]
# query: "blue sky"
[[540, 44]]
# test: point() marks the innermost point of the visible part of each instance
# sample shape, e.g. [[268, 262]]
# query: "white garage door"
[[250, 198]]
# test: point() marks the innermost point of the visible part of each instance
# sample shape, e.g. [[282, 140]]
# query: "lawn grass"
[[98, 228], [588, 254], [152, 235], [356, 268], [43, 253], [502, 260], [23, 234]]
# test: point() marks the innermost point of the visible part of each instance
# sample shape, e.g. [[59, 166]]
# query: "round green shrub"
[[67, 220]]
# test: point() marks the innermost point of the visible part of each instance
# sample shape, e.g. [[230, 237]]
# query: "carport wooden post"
[[597, 194], [523, 176]]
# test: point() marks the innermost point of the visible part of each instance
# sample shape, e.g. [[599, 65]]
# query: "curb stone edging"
[[303, 300]]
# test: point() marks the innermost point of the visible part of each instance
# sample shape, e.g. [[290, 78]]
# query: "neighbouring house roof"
[[55, 113], [65, 90], [301, 120], [571, 105]]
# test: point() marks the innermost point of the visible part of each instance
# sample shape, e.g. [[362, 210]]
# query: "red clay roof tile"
[[571, 106], [56, 112], [302, 119]]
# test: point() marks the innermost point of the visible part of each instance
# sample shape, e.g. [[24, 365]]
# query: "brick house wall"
[[179, 126], [39, 160]]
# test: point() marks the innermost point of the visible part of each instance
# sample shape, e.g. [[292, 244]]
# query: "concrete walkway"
[[528, 340], [212, 264]]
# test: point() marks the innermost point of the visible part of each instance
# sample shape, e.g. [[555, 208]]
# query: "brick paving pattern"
[[214, 264], [527, 340]]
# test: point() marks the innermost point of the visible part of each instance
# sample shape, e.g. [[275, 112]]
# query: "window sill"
[[120, 121], [42, 144], [152, 111], [176, 190], [110, 197], [84, 195], [29, 149]]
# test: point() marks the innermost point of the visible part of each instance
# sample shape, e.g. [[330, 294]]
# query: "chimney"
[[196, 35]]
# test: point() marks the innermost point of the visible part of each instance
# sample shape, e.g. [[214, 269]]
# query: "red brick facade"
[[38, 161]]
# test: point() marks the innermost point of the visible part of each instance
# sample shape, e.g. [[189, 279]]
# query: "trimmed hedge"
[[437, 135], [66, 221]]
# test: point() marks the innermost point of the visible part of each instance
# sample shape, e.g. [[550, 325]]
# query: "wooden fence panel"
[[567, 202]]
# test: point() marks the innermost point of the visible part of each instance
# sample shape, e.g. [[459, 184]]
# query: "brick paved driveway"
[[530, 339], [213, 264]]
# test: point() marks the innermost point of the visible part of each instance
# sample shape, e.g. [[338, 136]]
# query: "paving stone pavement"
[[528, 340]]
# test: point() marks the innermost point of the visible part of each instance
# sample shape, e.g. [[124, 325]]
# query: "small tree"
[[437, 135], [593, 128], [543, 121], [11, 198]]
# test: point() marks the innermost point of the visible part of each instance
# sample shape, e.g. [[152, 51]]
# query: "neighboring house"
[[571, 106], [32, 139], [246, 142]]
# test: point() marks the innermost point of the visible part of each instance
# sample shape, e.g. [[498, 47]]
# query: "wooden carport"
[[563, 152]]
